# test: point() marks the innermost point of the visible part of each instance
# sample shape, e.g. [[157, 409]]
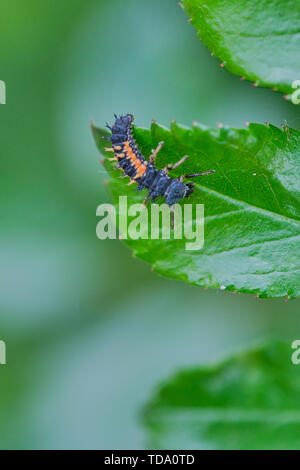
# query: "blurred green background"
[[89, 330]]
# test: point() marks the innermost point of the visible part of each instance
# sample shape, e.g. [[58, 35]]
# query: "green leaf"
[[250, 401], [258, 40], [252, 206]]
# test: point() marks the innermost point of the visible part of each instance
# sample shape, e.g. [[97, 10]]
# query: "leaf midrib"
[[248, 205], [259, 36]]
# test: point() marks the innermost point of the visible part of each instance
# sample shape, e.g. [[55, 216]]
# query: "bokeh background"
[[89, 330]]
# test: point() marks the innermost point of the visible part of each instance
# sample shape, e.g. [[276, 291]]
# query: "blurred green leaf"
[[250, 401], [252, 206], [258, 39]]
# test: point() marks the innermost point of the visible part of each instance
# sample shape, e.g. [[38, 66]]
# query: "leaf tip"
[[93, 129]]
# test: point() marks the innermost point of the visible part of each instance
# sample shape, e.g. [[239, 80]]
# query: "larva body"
[[144, 172]]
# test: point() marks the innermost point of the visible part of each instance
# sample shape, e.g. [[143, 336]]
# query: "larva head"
[[124, 121], [120, 128], [129, 117]]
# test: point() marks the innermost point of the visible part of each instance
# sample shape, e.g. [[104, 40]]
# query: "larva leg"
[[193, 175], [147, 198], [177, 164], [155, 152]]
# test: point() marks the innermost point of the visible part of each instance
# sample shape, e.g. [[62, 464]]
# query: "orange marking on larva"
[[134, 160], [140, 171], [126, 147], [130, 153], [137, 163]]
